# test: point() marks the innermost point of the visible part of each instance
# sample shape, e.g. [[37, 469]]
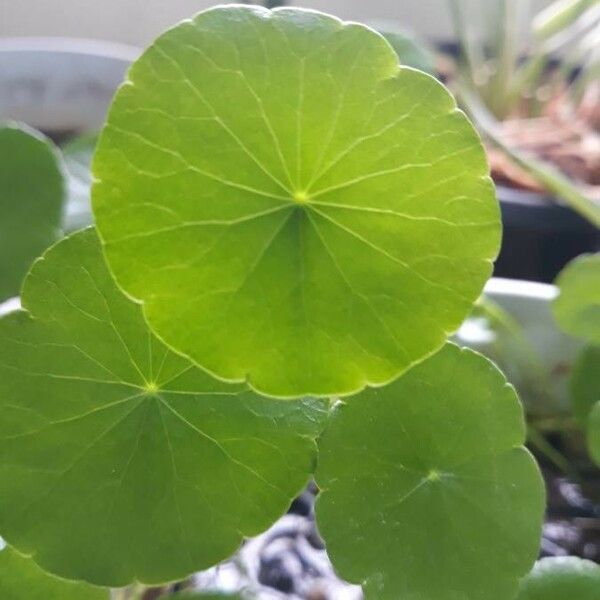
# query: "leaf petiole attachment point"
[[433, 475], [301, 196], [150, 388]]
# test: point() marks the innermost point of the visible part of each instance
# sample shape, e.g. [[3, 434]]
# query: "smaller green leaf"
[[577, 308], [78, 155], [22, 579], [562, 578], [31, 199], [427, 490], [585, 382]]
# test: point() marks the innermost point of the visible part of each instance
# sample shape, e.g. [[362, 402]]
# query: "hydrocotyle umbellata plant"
[[284, 217]]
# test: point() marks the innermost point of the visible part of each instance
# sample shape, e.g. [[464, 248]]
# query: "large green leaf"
[[577, 308], [22, 579], [31, 198], [120, 460], [562, 578], [427, 491], [293, 208]]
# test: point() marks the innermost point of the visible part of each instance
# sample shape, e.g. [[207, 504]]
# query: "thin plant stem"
[[135, 591], [538, 441], [559, 423], [529, 75], [533, 363], [118, 594], [506, 53], [554, 181], [472, 58]]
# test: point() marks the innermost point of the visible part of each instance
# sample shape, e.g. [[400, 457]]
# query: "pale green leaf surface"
[[577, 308], [31, 199], [585, 382], [120, 460], [22, 579], [562, 578], [426, 490], [78, 158], [291, 207]]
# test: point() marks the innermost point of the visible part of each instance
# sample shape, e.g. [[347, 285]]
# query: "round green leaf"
[[577, 308], [22, 579], [120, 460], [562, 578], [78, 157], [31, 198], [291, 207], [585, 382], [427, 491]]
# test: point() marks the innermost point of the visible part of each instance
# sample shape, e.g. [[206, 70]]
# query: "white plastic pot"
[[60, 85], [529, 304]]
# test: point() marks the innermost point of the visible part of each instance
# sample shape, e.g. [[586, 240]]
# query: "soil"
[[572, 525], [563, 134]]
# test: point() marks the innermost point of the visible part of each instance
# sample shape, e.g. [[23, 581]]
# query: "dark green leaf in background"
[[577, 308], [31, 202], [120, 460], [426, 489], [292, 208], [585, 382], [585, 394], [593, 432]]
